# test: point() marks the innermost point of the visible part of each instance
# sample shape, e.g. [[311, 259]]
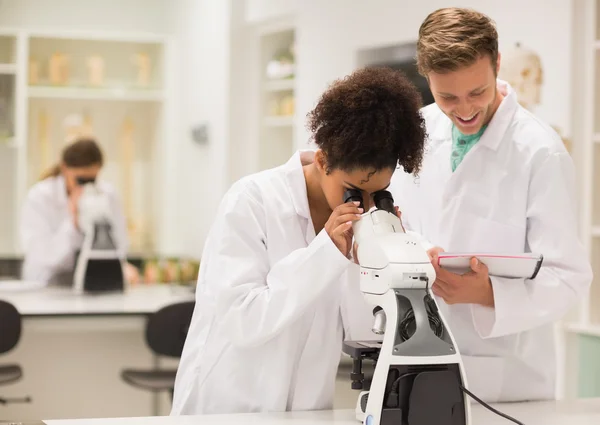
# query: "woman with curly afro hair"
[[278, 291]]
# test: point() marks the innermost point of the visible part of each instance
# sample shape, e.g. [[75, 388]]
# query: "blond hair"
[[452, 38]]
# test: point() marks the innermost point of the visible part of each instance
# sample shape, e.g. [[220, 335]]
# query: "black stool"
[[10, 334], [166, 331]]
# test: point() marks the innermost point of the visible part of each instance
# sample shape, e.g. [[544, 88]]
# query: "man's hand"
[[434, 253], [399, 214], [473, 287]]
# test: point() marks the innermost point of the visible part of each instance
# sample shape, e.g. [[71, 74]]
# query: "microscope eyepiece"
[[353, 195], [384, 201], [85, 180]]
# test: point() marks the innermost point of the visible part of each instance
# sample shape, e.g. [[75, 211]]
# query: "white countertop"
[[56, 301], [579, 412]]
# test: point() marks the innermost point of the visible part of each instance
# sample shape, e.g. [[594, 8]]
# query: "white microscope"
[[419, 376], [100, 265]]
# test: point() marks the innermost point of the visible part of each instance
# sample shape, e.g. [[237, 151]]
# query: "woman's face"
[[367, 182], [71, 174]]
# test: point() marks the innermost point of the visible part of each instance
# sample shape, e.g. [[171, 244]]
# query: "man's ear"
[[498, 64]]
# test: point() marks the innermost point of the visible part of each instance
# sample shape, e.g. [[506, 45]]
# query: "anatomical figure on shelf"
[[59, 69], [142, 63], [96, 70], [522, 69], [137, 226], [76, 126]]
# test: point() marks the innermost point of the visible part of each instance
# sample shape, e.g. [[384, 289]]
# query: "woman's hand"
[[132, 274], [339, 225]]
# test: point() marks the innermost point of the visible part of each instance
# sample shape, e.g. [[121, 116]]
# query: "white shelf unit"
[[126, 109], [586, 135], [579, 332], [277, 112], [279, 85], [74, 93], [581, 342], [8, 68], [10, 98]]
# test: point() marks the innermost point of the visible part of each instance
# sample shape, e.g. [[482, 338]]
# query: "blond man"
[[495, 178]]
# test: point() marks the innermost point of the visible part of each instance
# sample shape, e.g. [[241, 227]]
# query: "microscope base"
[[99, 275], [410, 393]]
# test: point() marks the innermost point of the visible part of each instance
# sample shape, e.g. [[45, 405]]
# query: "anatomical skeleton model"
[[522, 69]]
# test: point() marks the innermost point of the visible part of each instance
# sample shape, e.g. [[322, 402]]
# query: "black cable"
[[393, 400], [487, 406], [407, 325]]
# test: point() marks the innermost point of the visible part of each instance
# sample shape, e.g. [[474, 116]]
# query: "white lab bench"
[[576, 412], [73, 348]]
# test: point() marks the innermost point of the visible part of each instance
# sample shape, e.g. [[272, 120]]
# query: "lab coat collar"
[[61, 189], [297, 183], [494, 134], [443, 130], [497, 126]]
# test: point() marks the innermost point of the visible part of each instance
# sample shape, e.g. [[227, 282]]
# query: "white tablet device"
[[501, 265]]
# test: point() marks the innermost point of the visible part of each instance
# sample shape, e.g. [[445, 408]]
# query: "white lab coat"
[[273, 304], [513, 192], [49, 237]]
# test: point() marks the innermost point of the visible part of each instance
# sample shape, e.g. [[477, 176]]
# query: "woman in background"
[[50, 234]]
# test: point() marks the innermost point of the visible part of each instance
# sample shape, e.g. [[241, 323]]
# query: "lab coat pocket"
[[485, 376]]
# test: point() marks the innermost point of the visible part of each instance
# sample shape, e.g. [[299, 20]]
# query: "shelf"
[[8, 68], [279, 85], [596, 138], [9, 144], [287, 25], [591, 330], [283, 121], [593, 299], [596, 231], [118, 94], [94, 64]]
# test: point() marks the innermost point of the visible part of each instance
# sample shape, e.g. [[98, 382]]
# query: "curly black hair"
[[370, 120]]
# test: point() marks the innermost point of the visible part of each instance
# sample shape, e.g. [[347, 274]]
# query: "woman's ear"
[[321, 161]]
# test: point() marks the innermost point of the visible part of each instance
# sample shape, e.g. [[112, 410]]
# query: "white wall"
[[202, 31], [89, 15], [265, 10], [244, 94], [330, 33]]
